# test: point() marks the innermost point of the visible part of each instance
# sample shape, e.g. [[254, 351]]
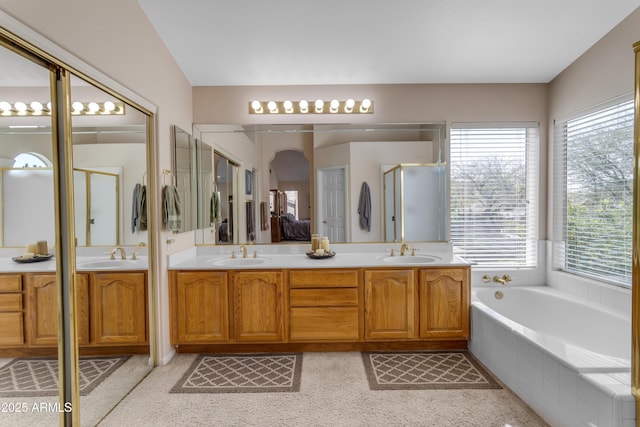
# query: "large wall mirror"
[[109, 153], [330, 179]]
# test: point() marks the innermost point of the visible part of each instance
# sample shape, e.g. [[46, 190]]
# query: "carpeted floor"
[[334, 391]]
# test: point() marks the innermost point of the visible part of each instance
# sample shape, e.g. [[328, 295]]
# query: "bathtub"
[[569, 359]]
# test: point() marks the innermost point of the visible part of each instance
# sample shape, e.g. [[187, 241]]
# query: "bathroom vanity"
[[111, 311], [288, 302]]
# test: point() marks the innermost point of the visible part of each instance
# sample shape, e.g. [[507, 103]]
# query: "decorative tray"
[[35, 258], [313, 255]]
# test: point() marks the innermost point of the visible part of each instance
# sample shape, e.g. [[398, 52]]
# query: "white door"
[[332, 220]]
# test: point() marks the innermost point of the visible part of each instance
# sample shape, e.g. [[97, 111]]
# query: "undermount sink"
[[109, 264], [238, 262], [411, 259]]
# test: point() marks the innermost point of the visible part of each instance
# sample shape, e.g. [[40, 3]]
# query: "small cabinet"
[[390, 304], [258, 306], [444, 303], [11, 314], [118, 308], [324, 305], [42, 308], [201, 307]]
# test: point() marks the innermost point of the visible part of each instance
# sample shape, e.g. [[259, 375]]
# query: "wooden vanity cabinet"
[[390, 304], [258, 306], [324, 305], [11, 314], [118, 307], [444, 302], [41, 308], [201, 308]]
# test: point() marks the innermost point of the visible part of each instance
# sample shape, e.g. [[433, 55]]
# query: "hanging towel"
[[135, 209], [215, 211], [171, 208], [264, 216], [142, 208], [364, 207], [251, 230]]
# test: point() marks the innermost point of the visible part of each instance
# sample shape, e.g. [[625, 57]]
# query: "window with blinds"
[[494, 193], [593, 193]]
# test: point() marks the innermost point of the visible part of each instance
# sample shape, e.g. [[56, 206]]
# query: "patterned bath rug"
[[242, 373], [32, 377], [425, 370]]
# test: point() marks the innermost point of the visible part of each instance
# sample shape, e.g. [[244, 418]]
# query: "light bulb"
[[256, 106], [272, 106], [288, 106], [108, 106], [93, 107], [365, 105], [77, 107], [333, 105], [319, 104], [348, 105], [20, 106], [304, 106], [5, 106], [36, 106]]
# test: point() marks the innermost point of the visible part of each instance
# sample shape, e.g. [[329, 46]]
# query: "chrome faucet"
[[123, 254], [243, 249], [403, 249]]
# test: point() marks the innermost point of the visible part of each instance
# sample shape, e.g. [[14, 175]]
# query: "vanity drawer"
[[10, 302], [324, 323], [323, 279], [10, 282], [323, 297]]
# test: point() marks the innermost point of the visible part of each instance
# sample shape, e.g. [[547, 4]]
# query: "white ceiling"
[[285, 42]]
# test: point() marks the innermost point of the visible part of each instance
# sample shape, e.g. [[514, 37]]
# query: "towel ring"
[[166, 172]]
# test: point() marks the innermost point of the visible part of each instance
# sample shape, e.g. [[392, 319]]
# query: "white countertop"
[[294, 256], [88, 259]]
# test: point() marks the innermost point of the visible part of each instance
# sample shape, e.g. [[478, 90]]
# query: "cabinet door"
[[444, 303], [118, 308], [258, 302], [202, 307], [389, 304], [42, 309]]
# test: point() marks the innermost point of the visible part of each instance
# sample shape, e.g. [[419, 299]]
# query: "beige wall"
[[602, 73], [115, 38]]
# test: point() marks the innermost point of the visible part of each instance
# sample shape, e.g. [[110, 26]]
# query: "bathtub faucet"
[[502, 280]]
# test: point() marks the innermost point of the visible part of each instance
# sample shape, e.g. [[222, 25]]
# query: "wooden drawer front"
[[11, 331], [323, 279], [10, 283], [10, 302], [323, 297], [324, 323]]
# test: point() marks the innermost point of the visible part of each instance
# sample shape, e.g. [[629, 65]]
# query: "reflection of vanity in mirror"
[[341, 157]]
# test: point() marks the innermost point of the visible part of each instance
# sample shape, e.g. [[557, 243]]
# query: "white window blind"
[[593, 193], [494, 193]]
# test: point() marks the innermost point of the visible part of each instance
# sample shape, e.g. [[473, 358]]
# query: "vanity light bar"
[[35, 108], [319, 106]]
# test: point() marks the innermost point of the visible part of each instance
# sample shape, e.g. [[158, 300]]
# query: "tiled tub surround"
[[567, 357]]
